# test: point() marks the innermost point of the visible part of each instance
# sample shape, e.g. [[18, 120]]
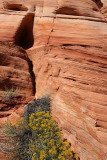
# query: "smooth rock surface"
[[69, 58]]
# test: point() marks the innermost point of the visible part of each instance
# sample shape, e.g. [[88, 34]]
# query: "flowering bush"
[[37, 136], [33, 107], [47, 142]]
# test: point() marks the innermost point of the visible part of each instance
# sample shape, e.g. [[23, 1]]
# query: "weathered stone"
[[69, 61], [14, 75]]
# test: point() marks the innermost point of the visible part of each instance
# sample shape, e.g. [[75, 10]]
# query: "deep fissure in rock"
[[99, 3], [24, 34], [32, 76], [24, 38]]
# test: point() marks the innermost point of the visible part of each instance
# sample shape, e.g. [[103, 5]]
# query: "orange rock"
[[14, 73], [14, 69], [81, 8], [69, 62]]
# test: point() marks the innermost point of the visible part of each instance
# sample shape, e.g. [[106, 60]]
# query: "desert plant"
[[10, 93], [33, 107], [47, 142], [36, 136], [17, 140]]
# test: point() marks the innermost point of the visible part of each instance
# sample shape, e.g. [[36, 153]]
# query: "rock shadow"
[[24, 34]]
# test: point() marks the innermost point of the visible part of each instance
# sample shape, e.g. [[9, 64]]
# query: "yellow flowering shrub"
[[37, 138], [47, 142]]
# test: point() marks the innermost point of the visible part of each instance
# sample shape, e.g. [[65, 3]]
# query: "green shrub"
[[17, 140], [10, 93]]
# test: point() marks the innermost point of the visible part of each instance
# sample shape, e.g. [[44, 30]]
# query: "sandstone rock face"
[[104, 9], [81, 8], [14, 69], [14, 73], [68, 49]]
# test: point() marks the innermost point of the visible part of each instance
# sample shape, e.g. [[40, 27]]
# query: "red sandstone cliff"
[[14, 73], [66, 41]]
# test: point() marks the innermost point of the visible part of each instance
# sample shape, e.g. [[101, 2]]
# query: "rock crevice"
[[24, 34], [68, 50]]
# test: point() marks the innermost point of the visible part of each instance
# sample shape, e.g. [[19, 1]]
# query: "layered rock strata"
[[15, 74], [69, 61]]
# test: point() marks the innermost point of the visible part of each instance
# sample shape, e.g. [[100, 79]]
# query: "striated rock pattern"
[[14, 68], [14, 73], [104, 9], [68, 50]]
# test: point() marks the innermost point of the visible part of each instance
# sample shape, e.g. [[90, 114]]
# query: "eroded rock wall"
[[70, 65], [16, 34], [69, 61], [15, 74]]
